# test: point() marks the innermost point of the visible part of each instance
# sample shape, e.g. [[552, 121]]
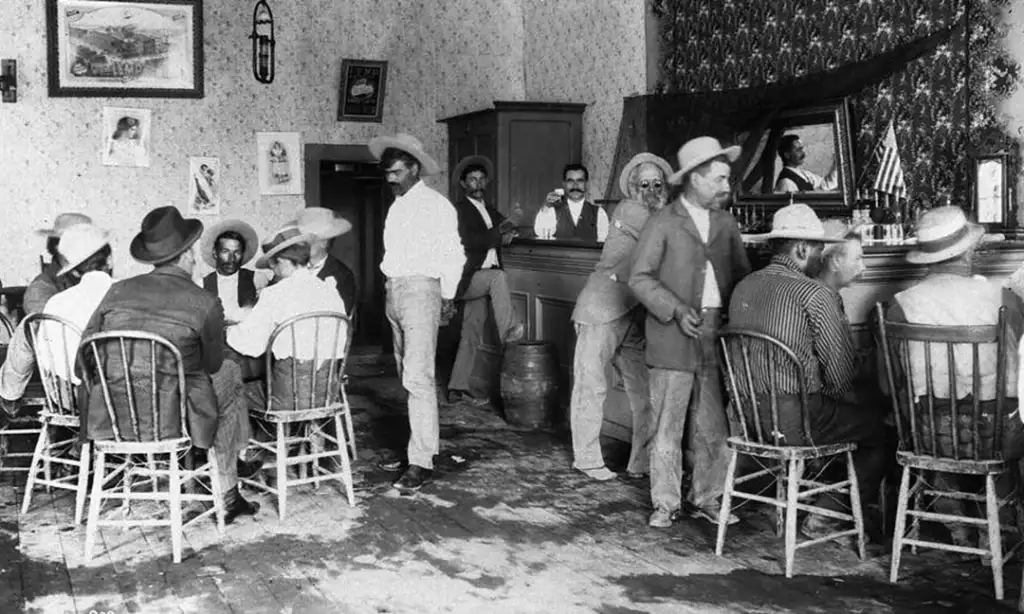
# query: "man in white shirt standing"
[[792, 178], [575, 216], [423, 262], [227, 247]]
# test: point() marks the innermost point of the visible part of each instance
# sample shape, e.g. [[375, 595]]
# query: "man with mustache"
[[609, 322], [792, 178], [576, 217], [226, 247], [689, 258], [423, 262]]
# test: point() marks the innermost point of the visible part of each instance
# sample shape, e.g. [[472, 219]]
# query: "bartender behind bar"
[[566, 214]]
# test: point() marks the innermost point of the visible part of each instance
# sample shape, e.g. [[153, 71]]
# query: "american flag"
[[890, 171]]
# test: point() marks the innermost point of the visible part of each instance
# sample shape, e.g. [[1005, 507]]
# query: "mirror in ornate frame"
[[804, 154]]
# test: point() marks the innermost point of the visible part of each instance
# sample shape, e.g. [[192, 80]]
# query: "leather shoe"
[[413, 478], [235, 505]]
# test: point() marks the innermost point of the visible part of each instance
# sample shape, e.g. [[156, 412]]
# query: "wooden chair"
[[303, 423], [54, 342], [140, 452], [750, 357], [939, 435]]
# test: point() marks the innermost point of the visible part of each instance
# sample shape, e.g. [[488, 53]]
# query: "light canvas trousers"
[[18, 368]]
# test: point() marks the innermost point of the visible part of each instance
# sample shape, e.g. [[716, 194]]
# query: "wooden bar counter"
[[547, 276]]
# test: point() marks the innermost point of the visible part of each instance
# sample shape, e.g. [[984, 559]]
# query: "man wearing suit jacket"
[[609, 324], [483, 231], [325, 226], [689, 258], [227, 247]]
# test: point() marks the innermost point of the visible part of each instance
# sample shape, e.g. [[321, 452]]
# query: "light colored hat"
[[943, 233], [697, 151], [79, 242], [285, 237], [642, 158], [410, 145], [209, 240], [63, 222], [800, 222], [483, 161], [322, 222]]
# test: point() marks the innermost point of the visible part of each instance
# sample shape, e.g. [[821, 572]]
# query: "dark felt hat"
[[165, 235]]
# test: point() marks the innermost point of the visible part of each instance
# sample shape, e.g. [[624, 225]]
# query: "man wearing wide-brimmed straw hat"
[[227, 247], [609, 326], [168, 303], [784, 301], [423, 263], [49, 282], [689, 257], [325, 226]]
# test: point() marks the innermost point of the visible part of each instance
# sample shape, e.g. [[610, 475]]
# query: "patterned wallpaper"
[[724, 44]]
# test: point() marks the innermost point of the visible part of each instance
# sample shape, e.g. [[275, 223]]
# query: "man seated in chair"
[[950, 295], [227, 247], [784, 301], [168, 303], [325, 227]]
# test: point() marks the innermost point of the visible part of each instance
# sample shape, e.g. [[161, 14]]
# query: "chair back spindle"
[[315, 380], [54, 341]]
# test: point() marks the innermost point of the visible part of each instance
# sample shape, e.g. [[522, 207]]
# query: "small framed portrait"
[[279, 162], [361, 94], [204, 186], [126, 135], [991, 195]]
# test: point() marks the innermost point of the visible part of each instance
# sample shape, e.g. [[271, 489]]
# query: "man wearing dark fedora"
[[227, 247], [168, 303], [423, 262], [689, 258], [484, 231]]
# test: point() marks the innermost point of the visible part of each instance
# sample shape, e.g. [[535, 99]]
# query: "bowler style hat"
[[639, 159], [288, 235], [78, 243], [165, 235], [209, 242], [483, 161], [799, 222], [410, 145], [63, 222], [321, 222], [697, 151], [943, 233]]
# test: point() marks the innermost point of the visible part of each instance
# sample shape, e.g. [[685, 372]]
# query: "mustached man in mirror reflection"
[[567, 214], [793, 177]]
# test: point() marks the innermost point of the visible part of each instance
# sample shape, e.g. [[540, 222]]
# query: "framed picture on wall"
[[361, 94], [204, 186], [279, 162], [126, 136], [148, 48], [991, 193]]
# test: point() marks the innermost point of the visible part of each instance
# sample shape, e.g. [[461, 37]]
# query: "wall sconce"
[[9, 80], [262, 42]]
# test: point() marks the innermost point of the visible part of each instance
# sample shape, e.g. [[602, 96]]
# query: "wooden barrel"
[[529, 384]]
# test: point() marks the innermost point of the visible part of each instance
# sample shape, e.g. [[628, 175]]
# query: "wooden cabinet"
[[528, 142]]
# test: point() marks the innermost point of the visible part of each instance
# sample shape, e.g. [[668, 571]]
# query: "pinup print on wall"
[[204, 186], [126, 136], [279, 162]]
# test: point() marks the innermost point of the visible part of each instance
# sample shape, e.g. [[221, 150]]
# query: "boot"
[[235, 506]]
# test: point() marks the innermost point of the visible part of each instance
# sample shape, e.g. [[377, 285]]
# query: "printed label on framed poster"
[[149, 48], [279, 162], [204, 186], [361, 97], [126, 136]]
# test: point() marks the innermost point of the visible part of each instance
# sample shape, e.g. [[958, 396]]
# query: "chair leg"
[[83, 482], [915, 523], [346, 465], [995, 537], [217, 488], [92, 526], [282, 472], [47, 466], [723, 513], [792, 493], [174, 488], [350, 433], [780, 495], [37, 458], [901, 525], [855, 506]]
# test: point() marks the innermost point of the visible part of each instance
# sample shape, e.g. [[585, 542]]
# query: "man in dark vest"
[[792, 178], [325, 227], [226, 247], [574, 216]]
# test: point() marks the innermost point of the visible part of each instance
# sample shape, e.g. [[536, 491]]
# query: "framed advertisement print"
[[361, 96], [146, 48], [279, 162]]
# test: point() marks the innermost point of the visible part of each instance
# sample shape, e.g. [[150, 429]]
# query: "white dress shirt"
[[76, 304], [711, 298], [491, 260], [421, 237], [299, 293]]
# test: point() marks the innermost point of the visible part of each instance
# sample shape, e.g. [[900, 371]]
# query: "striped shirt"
[[781, 301]]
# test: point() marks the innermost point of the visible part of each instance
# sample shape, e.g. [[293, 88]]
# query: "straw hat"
[[697, 151], [642, 158], [322, 222], [78, 243], [483, 161], [943, 233], [165, 235], [63, 222], [410, 145], [209, 242], [286, 236], [799, 222]]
